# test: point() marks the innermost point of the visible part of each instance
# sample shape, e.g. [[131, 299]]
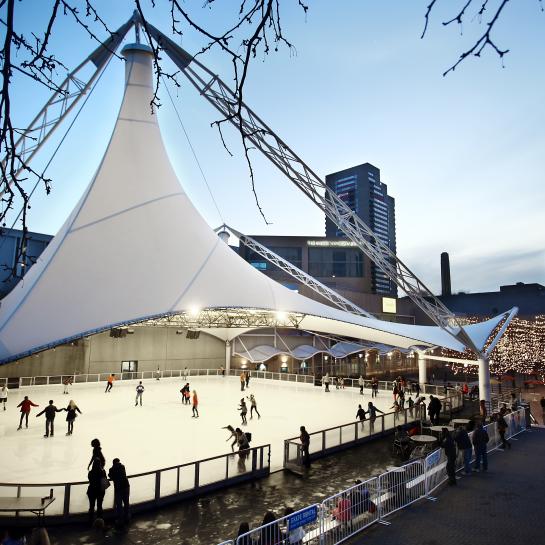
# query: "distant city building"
[[363, 192], [529, 298], [338, 263], [10, 240]]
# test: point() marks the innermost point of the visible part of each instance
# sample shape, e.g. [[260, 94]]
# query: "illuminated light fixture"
[[284, 359], [326, 358], [360, 356], [193, 311], [243, 361], [284, 365]]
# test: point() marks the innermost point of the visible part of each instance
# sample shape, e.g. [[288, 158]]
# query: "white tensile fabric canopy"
[[134, 247]]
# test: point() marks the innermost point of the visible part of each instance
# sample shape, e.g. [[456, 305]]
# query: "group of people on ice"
[[50, 412]]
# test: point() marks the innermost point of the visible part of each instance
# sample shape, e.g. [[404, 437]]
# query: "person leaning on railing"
[[305, 445]]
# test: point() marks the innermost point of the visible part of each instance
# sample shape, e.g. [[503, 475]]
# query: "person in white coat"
[[4, 396]]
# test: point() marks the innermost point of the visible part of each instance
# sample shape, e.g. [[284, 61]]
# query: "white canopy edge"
[[135, 248]]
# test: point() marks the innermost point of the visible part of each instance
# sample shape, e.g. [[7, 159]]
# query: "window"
[[129, 366], [293, 254], [259, 265], [345, 189], [328, 262]]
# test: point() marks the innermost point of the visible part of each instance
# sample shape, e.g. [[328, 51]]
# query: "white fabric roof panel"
[[135, 247]]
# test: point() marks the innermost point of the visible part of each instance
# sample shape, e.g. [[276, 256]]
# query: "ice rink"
[[162, 432]]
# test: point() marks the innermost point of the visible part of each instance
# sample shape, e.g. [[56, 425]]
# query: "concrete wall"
[[63, 360], [152, 347]]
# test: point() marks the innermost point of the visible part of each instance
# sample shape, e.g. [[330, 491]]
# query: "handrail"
[[135, 475], [375, 499], [83, 378], [259, 465], [383, 415]]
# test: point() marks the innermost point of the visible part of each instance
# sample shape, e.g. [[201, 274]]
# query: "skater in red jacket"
[[25, 411]]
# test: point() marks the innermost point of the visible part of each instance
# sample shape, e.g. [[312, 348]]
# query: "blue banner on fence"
[[433, 458], [305, 516]]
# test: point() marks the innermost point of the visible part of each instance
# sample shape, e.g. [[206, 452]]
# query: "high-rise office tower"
[[361, 189]]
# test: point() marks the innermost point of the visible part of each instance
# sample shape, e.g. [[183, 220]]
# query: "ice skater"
[[50, 412], [248, 375], [361, 415], [139, 392], [110, 383], [411, 406], [374, 387], [185, 373], [397, 409], [242, 381], [326, 380], [157, 374], [25, 411], [372, 412], [67, 382], [253, 406], [195, 408], [97, 454], [232, 436], [361, 383], [243, 411], [71, 410], [4, 396], [185, 391]]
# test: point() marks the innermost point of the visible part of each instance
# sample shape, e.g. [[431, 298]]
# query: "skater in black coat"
[[50, 411], [122, 491], [72, 409]]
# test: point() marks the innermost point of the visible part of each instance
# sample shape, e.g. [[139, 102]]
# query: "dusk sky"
[[463, 155]]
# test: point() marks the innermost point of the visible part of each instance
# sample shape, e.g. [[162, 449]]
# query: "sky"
[[463, 155]]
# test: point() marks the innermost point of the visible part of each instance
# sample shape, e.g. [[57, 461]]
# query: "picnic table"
[[456, 422], [33, 505], [424, 439], [439, 429]]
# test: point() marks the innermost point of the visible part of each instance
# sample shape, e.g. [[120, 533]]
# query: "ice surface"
[[162, 432]]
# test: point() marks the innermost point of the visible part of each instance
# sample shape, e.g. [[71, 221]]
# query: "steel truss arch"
[[306, 279], [221, 96]]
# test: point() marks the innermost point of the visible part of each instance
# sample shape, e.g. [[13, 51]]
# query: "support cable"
[[193, 151]]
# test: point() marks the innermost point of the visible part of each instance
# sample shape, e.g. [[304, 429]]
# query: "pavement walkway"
[[504, 505]]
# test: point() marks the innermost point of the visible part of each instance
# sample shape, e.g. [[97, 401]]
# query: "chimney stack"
[[445, 274]]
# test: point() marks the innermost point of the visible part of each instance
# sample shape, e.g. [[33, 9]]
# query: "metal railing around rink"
[[278, 532], [82, 378], [350, 511], [151, 488]]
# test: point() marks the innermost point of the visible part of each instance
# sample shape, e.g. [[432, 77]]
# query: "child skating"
[[195, 408], [243, 411]]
